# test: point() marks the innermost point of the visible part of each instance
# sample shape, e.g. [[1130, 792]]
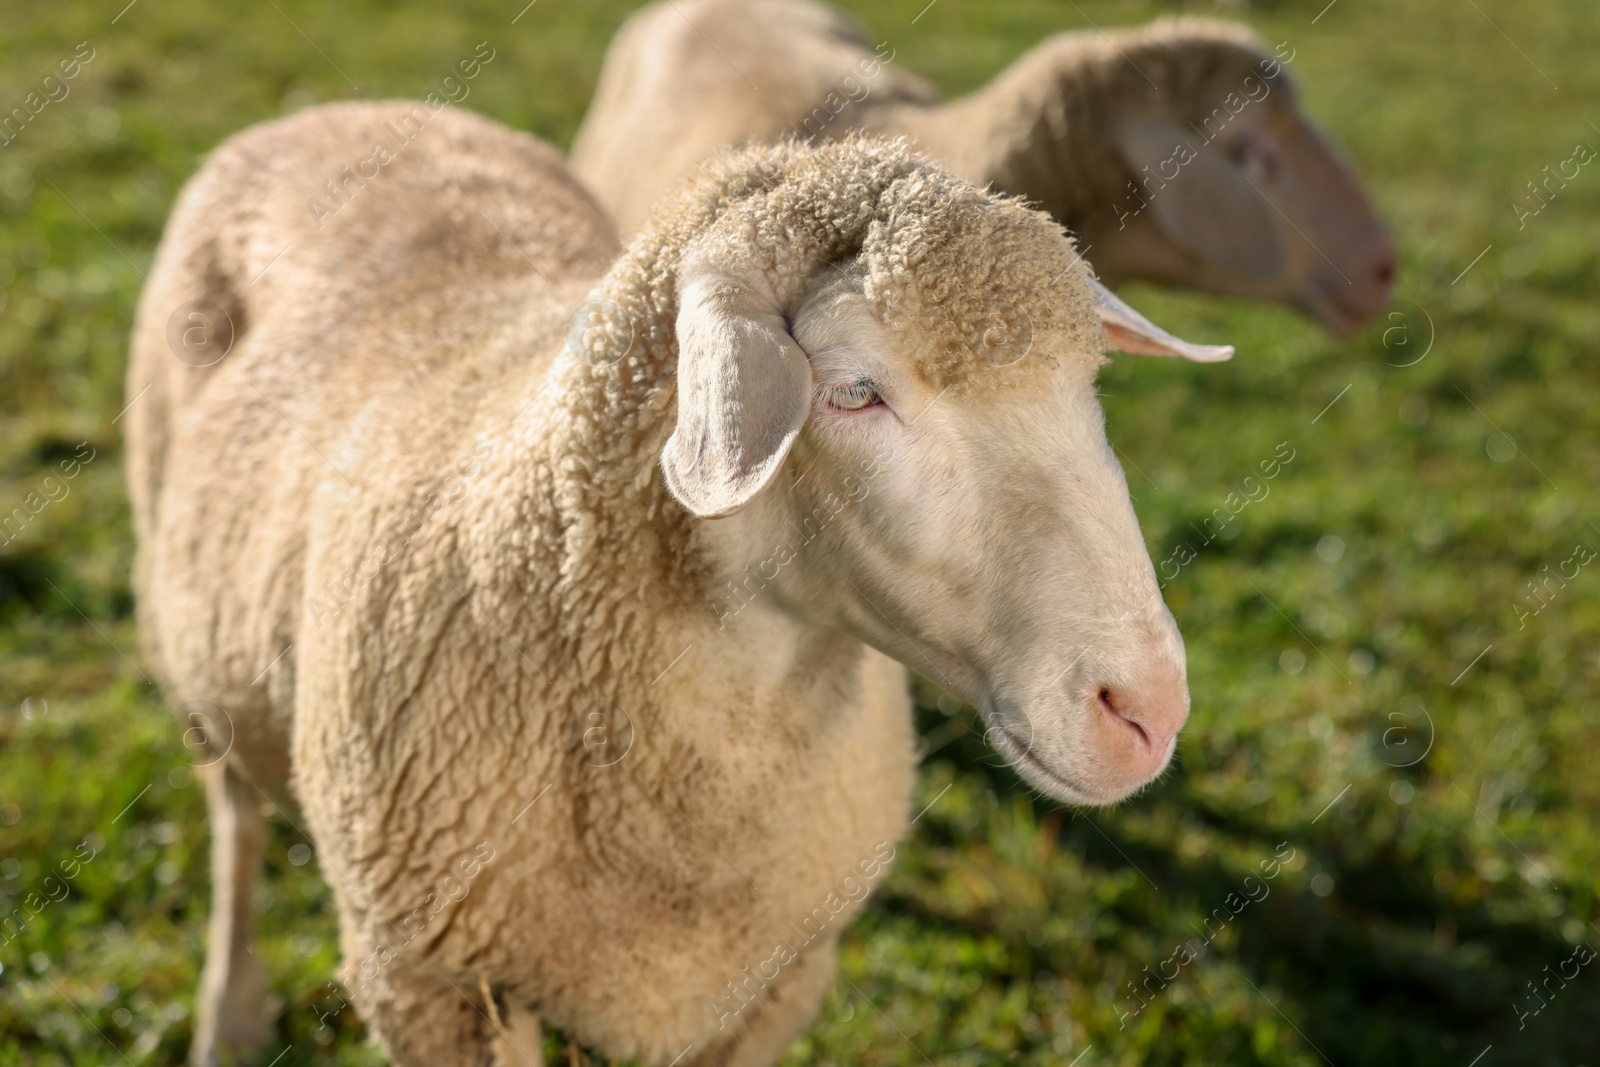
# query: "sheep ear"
[[744, 390], [1128, 331], [1209, 208]]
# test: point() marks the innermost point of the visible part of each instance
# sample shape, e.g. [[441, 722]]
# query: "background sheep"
[[451, 526], [1175, 153]]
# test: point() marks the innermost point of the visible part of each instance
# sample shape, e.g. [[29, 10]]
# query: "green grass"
[[1330, 632]]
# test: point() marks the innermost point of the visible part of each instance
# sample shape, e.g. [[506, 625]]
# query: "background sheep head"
[[1219, 179], [886, 395]]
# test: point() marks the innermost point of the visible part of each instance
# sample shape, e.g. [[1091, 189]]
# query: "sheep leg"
[[520, 1040], [768, 1026], [232, 1019]]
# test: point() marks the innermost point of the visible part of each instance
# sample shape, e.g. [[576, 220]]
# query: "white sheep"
[[580, 630], [1175, 152]]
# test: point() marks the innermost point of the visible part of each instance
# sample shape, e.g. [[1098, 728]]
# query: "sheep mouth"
[[1036, 771]]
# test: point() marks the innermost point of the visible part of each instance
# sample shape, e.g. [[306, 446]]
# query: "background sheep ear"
[[744, 390], [1128, 331], [1209, 209]]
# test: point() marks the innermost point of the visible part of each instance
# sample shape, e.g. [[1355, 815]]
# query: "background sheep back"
[[1325, 623]]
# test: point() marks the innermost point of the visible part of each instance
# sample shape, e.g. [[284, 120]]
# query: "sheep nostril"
[[1153, 709], [1383, 273], [1109, 701]]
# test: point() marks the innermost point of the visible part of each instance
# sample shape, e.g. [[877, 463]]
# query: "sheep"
[[564, 593], [1095, 127]]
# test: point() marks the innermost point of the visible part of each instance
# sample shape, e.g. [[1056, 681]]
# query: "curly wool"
[[942, 259]]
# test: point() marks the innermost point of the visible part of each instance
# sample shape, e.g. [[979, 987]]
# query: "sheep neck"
[[612, 558], [1039, 128], [621, 570]]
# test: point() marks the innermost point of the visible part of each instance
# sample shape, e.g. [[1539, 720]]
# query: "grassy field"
[[1375, 722]]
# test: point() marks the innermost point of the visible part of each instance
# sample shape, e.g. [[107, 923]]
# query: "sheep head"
[[886, 397], [1222, 181]]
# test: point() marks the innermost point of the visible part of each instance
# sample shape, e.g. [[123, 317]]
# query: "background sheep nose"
[[1383, 270], [1149, 713]]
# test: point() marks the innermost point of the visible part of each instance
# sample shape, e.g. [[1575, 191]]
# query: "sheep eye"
[[1240, 147], [1252, 153], [855, 396]]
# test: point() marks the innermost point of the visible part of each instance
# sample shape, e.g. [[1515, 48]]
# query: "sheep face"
[[982, 536], [1341, 261], [1231, 188]]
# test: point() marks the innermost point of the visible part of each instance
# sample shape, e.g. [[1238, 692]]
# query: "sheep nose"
[[1144, 716], [1383, 270]]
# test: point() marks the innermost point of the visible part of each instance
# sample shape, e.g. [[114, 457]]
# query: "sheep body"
[[243, 242], [405, 533], [666, 101], [669, 96], [1081, 124]]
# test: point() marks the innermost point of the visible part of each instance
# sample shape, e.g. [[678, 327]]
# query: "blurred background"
[[1394, 670]]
